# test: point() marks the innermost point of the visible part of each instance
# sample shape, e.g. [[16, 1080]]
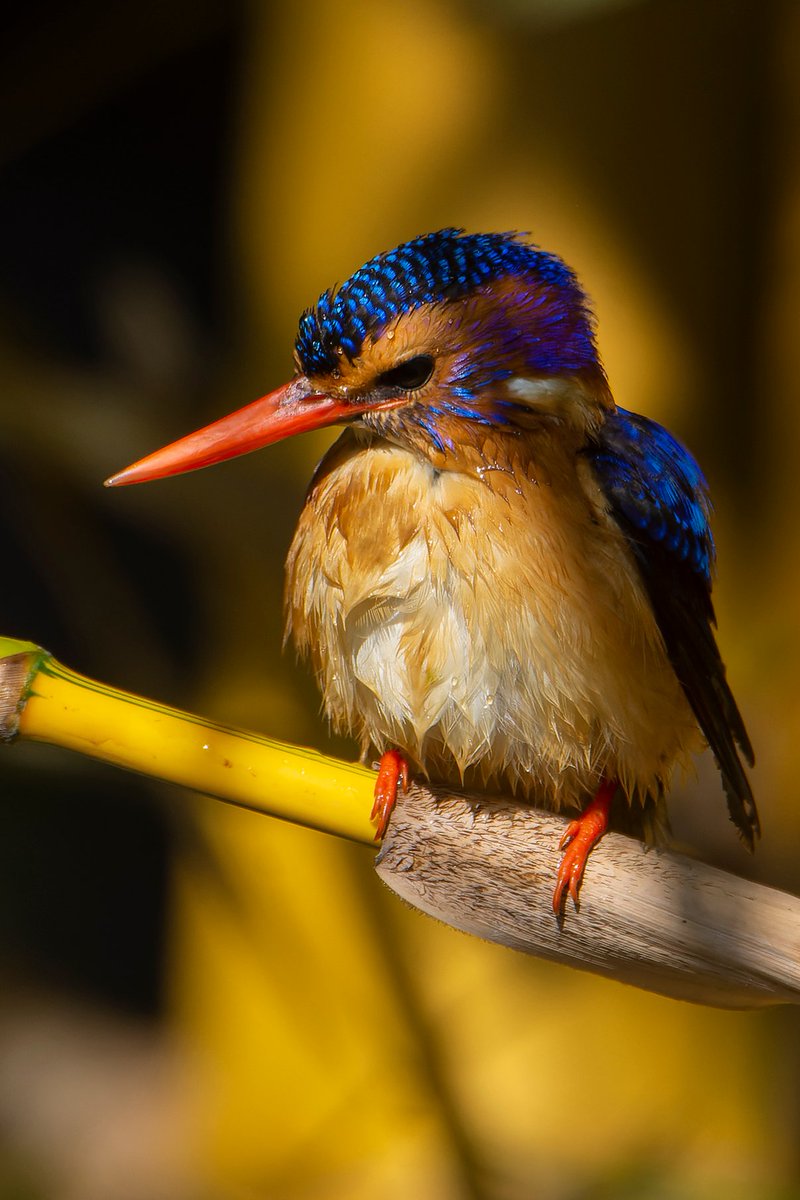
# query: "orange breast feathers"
[[486, 618]]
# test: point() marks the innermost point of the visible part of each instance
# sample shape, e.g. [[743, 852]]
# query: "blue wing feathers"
[[657, 487], [659, 497]]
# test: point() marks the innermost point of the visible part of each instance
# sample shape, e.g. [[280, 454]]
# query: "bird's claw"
[[392, 773], [572, 866], [580, 836], [572, 830]]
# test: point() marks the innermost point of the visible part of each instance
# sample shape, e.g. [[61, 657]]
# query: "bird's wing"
[[658, 496]]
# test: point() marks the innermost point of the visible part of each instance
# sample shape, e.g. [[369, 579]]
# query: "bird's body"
[[497, 571], [484, 613]]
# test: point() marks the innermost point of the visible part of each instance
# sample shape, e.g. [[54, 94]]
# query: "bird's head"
[[450, 331]]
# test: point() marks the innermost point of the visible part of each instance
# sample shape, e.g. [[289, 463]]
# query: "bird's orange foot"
[[581, 836], [392, 772]]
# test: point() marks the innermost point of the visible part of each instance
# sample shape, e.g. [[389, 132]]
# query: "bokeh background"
[[198, 1003]]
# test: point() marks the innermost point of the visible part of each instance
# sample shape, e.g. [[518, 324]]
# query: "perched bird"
[[498, 575]]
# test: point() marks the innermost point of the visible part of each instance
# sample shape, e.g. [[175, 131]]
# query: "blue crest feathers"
[[435, 268]]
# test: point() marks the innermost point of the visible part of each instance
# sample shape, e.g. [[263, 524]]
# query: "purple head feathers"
[[443, 267]]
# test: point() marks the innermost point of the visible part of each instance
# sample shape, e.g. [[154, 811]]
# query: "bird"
[[501, 577]]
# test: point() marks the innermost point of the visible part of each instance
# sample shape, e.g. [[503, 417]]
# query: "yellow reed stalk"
[[42, 700]]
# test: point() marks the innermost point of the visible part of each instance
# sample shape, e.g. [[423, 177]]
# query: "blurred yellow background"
[[202, 1003]]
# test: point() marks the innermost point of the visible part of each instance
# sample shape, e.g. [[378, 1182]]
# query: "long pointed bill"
[[293, 408]]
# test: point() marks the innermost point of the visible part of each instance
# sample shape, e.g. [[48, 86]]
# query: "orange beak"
[[293, 408]]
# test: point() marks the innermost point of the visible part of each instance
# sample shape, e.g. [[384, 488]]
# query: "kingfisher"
[[501, 577]]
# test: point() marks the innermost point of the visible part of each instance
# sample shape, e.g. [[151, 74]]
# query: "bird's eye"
[[409, 375]]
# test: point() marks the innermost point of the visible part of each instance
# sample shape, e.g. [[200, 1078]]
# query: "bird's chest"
[[458, 614]]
